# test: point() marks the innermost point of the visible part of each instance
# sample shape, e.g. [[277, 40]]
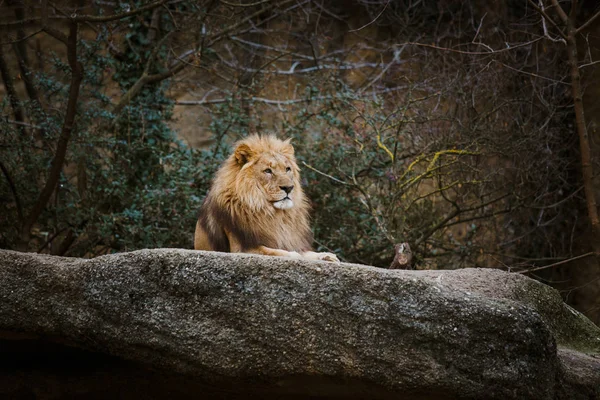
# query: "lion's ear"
[[243, 153], [288, 149]]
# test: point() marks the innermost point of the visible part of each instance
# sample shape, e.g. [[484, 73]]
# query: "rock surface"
[[185, 324]]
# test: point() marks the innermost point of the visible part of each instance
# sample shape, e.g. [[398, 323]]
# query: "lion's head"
[[266, 174]]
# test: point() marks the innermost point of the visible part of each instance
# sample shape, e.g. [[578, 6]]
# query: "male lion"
[[256, 204]]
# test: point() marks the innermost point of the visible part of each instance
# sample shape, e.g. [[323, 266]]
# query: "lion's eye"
[[268, 171], [288, 169]]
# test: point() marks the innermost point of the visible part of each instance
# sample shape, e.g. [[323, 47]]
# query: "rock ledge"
[[173, 324]]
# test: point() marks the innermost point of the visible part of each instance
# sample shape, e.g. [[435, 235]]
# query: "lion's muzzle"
[[284, 204]]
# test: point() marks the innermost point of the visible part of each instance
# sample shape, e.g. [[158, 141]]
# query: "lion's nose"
[[286, 189]]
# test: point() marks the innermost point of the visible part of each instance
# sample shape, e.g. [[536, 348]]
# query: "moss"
[[571, 328]]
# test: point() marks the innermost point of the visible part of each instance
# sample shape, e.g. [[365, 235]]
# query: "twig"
[[9, 121], [591, 253], [244, 5], [473, 53], [225, 32], [532, 74], [326, 175], [51, 239], [546, 17], [588, 22], [115, 17], [588, 64], [376, 18], [279, 102], [478, 29], [22, 39]]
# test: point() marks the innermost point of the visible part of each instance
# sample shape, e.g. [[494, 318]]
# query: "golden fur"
[[256, 204]]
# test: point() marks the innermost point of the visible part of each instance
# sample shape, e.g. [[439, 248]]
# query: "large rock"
[[187, 324]]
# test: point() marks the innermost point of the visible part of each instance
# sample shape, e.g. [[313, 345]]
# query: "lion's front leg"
[[312, 255], [309, 255], [267, 251], [236, 247]]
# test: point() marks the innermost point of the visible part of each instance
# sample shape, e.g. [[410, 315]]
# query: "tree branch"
[[442, 223], [526, 271], [11, 92], [83, 18], [257, 3], [561, 13], [146, 78], [56, 34], [20, 51], [13, 189], [67, 129], [588, 22], [254, 100], [547, 18], [115, 17], [215, 38], [473, 53]]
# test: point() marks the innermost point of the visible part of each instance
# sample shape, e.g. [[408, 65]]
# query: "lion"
[[256, 204]]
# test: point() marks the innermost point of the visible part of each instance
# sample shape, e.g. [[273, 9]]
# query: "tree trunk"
[[587, 169]]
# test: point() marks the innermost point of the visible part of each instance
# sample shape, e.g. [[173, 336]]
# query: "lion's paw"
[[311, 255], [328, 257]]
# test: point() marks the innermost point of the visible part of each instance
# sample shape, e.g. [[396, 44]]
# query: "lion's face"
[[275, 173], [268, 175]]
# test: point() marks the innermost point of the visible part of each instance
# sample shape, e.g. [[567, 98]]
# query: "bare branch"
[[527, 271], [255, 99], [20, 51], [226, 31], [67, 129], [56, 34], [81, 18], [23, 124], [561, 13], [32, 34], [115, 17], [458, 211], [375, 19], [588, 22], [11, 92], [13, 189], [474, 53], [244, 5], [294, 70], [325, 175], [588, 64], [14, 24], [395, 60], [546, 17], [533, 75]]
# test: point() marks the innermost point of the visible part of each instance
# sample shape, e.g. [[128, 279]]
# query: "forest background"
[[455, 126]]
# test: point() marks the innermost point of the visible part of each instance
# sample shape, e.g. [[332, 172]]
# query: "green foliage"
[[128, 182]]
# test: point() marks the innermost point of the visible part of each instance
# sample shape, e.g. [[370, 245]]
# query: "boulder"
[[171, 323]]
